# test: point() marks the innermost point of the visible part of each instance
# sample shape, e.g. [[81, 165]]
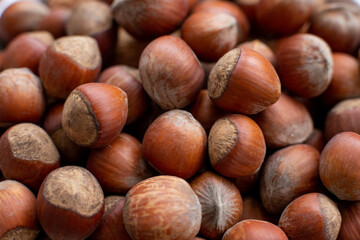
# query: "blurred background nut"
[[339, 166], [345, 81], [143, 19], [21, 16], [26, 50], [94, 19], [22, 97], [339, 25], [17, 211]]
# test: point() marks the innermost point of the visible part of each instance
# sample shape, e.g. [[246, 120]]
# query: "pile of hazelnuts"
[[180, 120]]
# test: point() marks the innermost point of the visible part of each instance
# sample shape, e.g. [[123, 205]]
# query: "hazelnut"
[[236, 146], [144, 19], [55, 22], [205, 111], [119, 166], [210, 35], [112, 224], [311, 216], [21, 16], [305, 64], [129, 49], [94, 114], [254, 229], [26, 50], [221, 204], [345, 81], [27, 154], [22, 97], [128, 79], [226, 8], [70, 203], [170, 72], [338, 24], [175, 144], [94, 19], [287, 174], [343, 117], [17, 212], [162, 208], [282, 17], [339, 167], [67, 63], [243, 81], [248, 6], [69, 4], [284, 123]]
